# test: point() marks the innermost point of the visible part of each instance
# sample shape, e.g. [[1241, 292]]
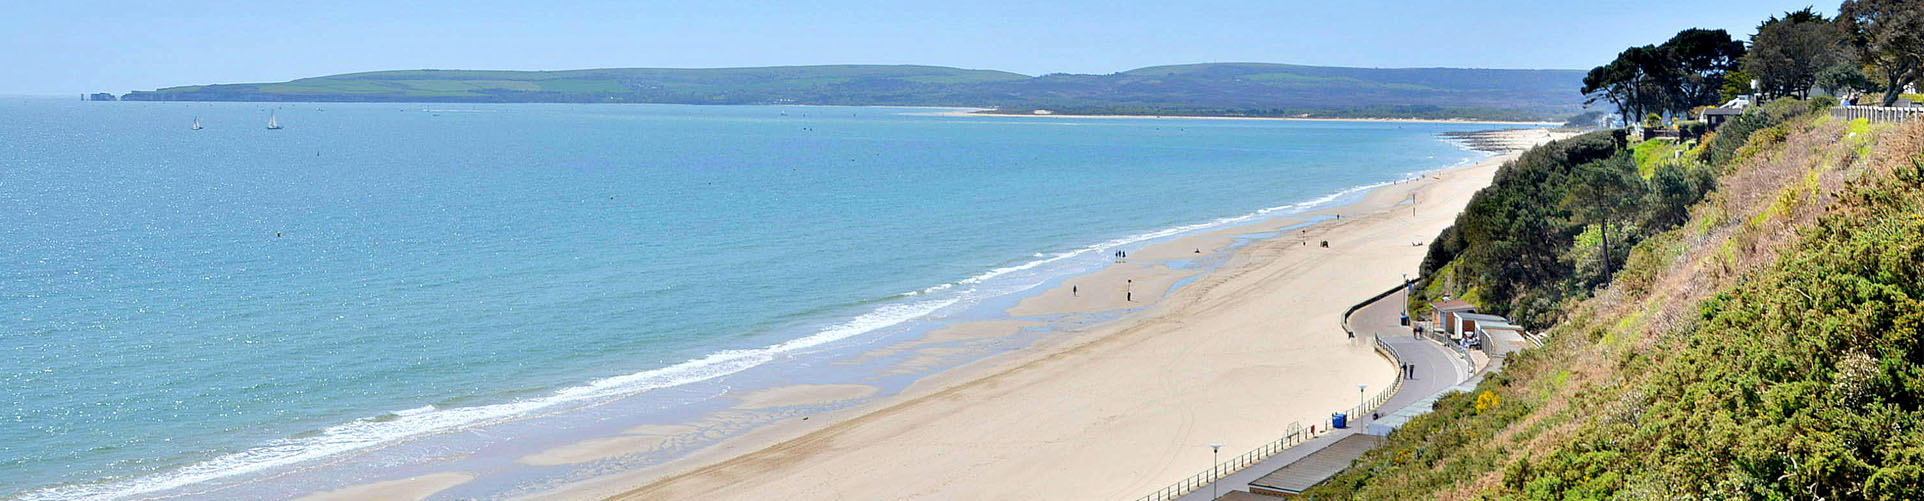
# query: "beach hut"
[[1468, 327], [1445, 316]]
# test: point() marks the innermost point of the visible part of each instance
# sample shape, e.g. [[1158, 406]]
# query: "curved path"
[[1438, 367]]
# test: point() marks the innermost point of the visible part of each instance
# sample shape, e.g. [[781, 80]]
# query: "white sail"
[[197, 124], [271, 122]]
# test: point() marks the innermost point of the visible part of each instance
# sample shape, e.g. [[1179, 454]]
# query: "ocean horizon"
[[391, 287]]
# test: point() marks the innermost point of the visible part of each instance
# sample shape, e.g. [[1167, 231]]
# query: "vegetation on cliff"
[[1769, 347]]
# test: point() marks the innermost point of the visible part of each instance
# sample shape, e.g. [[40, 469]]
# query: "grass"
[[1652, 153]]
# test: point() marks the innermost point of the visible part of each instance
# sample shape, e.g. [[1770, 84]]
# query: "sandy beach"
[[1108, 411]]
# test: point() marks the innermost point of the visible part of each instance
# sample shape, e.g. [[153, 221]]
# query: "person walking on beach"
[[1129, 290], [1072, 291]]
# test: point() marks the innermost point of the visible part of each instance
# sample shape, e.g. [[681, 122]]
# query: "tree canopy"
[[1685, 72], [1888, 36], [1788, 53]]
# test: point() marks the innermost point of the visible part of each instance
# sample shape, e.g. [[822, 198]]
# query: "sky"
[[62, 48]]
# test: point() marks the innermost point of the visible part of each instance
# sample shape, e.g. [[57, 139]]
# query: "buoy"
[[277, 234]]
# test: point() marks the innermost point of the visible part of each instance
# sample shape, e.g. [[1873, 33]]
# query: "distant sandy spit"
[[994, 113], [1115, 409]]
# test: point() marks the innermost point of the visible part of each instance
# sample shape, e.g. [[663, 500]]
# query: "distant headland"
[[1212, 89]]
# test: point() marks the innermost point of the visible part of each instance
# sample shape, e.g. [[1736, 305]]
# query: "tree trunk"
[[1895, 88]]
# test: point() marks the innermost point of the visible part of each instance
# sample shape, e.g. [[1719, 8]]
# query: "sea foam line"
[[363, 434]]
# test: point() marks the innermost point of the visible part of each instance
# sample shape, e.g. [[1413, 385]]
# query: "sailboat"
[[271, 123], [196, 123]]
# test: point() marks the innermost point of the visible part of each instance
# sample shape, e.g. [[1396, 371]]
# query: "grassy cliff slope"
[[1768, 347]]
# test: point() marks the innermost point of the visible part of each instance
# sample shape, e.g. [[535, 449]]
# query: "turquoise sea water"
[[180, 307]]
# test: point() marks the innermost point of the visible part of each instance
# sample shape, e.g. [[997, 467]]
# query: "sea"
[[382, 290]]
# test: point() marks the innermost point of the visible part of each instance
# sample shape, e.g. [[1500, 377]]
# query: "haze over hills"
[[1216, 89]]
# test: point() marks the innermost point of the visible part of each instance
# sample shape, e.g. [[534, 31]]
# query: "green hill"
[[1764, 342], [1226, 89]]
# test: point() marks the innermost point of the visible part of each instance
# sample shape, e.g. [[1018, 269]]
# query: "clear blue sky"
[[63, 48]]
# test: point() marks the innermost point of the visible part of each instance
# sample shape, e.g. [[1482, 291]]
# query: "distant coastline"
[[1190, 90]]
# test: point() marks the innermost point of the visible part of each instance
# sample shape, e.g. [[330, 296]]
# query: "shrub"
[[1692, 129]]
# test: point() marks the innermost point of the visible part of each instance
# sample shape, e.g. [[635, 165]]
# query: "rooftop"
[[1479, 318], [1499, 326]]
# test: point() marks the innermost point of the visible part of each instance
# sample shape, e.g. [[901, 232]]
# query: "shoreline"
[[989, 112], [724, 461]]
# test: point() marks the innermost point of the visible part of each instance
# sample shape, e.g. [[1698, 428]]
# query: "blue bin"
[[1339, 420]]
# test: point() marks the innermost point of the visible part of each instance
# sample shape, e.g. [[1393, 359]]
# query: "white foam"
[[407, 424], [417, 410]]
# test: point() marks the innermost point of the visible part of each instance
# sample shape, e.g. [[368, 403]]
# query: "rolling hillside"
[[1219, 89]]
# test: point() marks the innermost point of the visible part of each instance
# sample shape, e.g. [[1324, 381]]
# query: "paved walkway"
[[1438, 367]]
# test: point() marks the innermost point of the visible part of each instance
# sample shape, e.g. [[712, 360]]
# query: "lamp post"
[[1215, 451], [1359, 400], [1409, 293]]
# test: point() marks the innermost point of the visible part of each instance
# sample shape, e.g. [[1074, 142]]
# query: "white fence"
[[1878, 113]]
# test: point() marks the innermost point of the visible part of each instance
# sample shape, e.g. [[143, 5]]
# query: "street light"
[[1408, 295], [1360, 400], [1214, 453]]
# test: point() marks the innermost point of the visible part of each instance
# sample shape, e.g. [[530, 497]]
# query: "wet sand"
[[408, 488]]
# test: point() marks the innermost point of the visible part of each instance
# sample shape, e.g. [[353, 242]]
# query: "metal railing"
[[1878, 113], [1294, 434], [1455, 346]]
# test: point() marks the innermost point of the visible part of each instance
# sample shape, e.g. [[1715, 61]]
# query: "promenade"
[[1438, 367]]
